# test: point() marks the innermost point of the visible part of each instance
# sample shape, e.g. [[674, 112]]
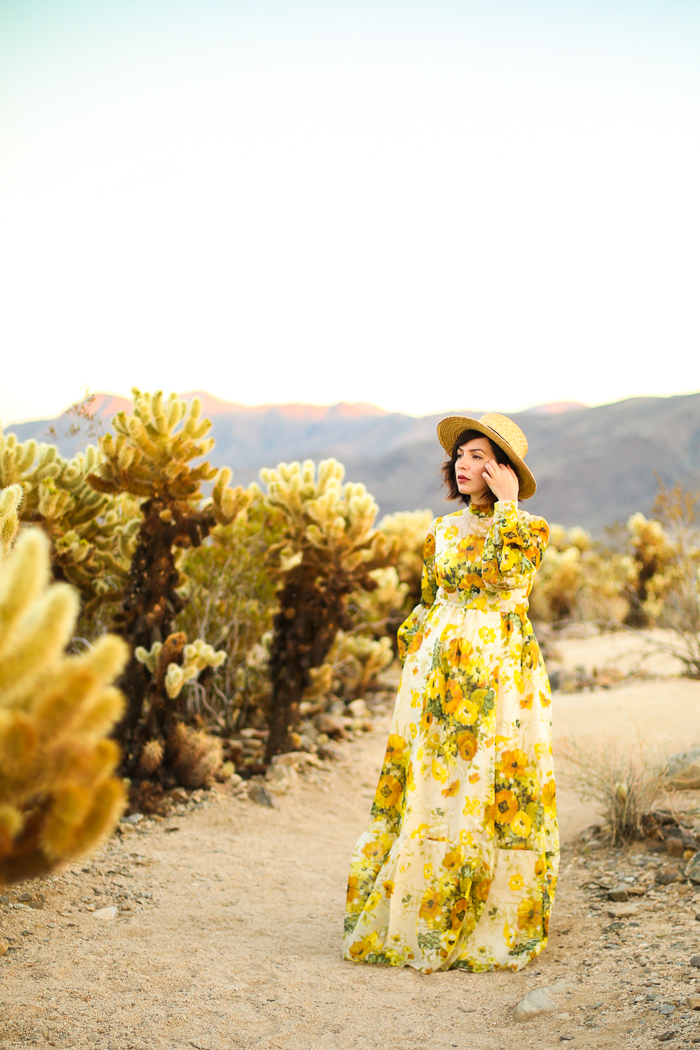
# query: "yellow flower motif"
[[474, 778], [353, 895], [361, 949], [410, 781], [388, 887], [506, 807], [548, 797], [487, 634], [439, 772], [426, 721], [459, 652], [395, 749], [513, 763], [471, 806], [427, 871], [521, 825], [451, 791], [431, 906], [516, 882], [453, 696], [467, 745], [452, 860], [529, 914], [467, 712], [436, 686], [389, 791], [459, 913], [374, 850]]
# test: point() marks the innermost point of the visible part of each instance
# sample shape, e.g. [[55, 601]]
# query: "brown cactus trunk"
[[304, 631]]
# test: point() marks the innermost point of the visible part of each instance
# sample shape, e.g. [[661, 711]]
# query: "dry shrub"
[[623, 778]]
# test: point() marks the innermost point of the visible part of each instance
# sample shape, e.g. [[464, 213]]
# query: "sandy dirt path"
[[227, 934]]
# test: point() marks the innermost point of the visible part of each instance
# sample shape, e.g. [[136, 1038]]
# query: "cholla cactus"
[[58, 796], [150, 459], [357, 660], [410, 527], [195, 658], [577, 580], [10, 499], [329, 549], [91, 534], [654, 555]]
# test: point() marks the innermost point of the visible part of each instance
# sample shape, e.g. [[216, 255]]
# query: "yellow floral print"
[[458, 866]]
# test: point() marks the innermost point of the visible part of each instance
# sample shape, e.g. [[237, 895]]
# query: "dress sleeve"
[[410, 634], [514, 547]]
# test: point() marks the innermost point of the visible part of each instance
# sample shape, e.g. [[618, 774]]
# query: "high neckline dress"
[[458, 866]]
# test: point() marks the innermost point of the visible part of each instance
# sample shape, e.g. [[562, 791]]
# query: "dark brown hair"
[[448, 467]]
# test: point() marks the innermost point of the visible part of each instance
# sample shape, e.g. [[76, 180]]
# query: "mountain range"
[[594, 466]]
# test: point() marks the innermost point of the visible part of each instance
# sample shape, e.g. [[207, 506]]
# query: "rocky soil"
[[219, 927]]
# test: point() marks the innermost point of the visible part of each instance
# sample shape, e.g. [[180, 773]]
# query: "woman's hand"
[[502, 480]]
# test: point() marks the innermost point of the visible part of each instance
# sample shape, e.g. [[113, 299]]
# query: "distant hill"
[[594, 466]]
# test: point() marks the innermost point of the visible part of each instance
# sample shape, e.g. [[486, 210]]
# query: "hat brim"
[[449, 429]]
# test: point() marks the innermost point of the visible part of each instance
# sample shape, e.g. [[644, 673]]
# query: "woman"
[[458, 866]]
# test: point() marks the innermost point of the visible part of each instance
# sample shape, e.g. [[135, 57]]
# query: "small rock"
[[536, 1002], [692, 869], [666, 1008], [674, 847], [694, 1002], [695, 961], [618, 893], [133, 818], [330, 726], [666, 1036], [358, 708], [4, 946], [666, 876], [105, 913], [566, 1038], [622, 911], [281, 778], [257, 792]]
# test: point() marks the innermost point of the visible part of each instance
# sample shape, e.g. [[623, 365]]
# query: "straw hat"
[[502, 432]]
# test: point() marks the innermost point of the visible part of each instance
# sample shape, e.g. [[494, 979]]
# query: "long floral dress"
[[458, 866]]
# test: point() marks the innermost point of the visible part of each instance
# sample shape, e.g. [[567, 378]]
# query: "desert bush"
[[328, 551], [92, 534], [581, 580], [151, 460], [654, 555], [678, 582], [58, 794], [623, 779], [231, 601]]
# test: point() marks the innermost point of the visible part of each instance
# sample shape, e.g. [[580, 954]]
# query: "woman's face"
[[471, 460]]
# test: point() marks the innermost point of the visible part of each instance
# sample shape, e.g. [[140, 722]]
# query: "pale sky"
[[423, 204]]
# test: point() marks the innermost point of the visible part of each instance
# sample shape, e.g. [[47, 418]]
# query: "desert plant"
[[91, 534], [679, 586], [654, 555], [624, 779], [328, 551], [58, 797], [231, 601], [150, 459], [581, 580], [409, 527]]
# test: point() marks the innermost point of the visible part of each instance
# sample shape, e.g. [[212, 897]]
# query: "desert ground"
[[222, 921]]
